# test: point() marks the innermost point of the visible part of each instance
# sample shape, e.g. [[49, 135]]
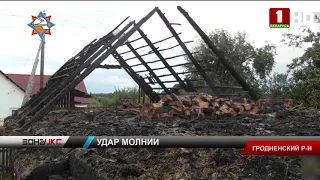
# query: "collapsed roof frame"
[[92, 55]]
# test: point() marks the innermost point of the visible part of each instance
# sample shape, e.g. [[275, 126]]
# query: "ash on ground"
[[166, 163]]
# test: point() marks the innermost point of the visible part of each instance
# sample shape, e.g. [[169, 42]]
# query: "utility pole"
[[31, 79], [42, 58], [34, 69]]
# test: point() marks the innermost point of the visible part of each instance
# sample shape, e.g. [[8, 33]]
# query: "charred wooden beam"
[[182, 84], [141, 71], [68, 85], [68, 99], [72, 101], [194, 79], [168, 58], [162, 40], [186, 72], [182, 64], [65, 101], [172, 57], [66, 70], [144, 97], [155, 69], [137, 39], [148, 68], [139, 95], [117, 27], [186, 50], [106, 66], [151, 80], [199, 87], [58, 77], [165, 49], [173, 81], [152, 52], [221, 57], [69, 65]]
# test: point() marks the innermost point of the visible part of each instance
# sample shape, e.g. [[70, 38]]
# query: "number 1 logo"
[[279, 18]]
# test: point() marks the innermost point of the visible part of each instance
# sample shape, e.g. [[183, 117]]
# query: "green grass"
[[4, 176], [111, 99], [4, 160], [310, 165]]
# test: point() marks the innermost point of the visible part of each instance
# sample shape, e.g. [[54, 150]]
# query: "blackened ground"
[[174, 163]]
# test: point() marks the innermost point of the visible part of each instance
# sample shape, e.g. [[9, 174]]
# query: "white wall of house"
[[81, 105], [11, 97]]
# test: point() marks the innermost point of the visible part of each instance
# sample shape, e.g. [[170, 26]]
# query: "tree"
[[277, 87], [305, 75], [254, 64]]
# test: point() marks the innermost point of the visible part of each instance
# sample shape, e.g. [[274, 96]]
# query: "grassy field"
[[4, 161], [4, 176], [111, 99], [310, 165]]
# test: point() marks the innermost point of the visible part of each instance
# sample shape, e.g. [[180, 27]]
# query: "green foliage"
[[111, 99], [307, 91], [252, 63], [277, 87], [305, 77]]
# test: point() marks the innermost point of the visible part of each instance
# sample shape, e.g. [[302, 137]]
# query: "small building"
[[13, 86]]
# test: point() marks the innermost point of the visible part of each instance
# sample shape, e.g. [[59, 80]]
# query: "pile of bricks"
[[202, 106]]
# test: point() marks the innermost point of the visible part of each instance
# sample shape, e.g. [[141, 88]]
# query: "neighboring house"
[[13, 86]]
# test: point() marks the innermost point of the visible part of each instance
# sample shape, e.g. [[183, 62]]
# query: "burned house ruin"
[[57, 91]]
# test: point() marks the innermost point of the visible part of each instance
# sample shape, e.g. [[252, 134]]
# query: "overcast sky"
[[78, 23]]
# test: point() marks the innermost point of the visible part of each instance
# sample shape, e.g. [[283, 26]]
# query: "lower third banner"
[[253, 145]]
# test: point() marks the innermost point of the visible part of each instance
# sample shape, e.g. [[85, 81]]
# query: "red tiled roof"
[[22, 81]]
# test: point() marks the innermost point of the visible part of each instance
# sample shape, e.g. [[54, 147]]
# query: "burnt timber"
[[60, 91]]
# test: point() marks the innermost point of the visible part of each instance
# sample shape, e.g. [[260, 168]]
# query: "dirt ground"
[[178, 163]]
